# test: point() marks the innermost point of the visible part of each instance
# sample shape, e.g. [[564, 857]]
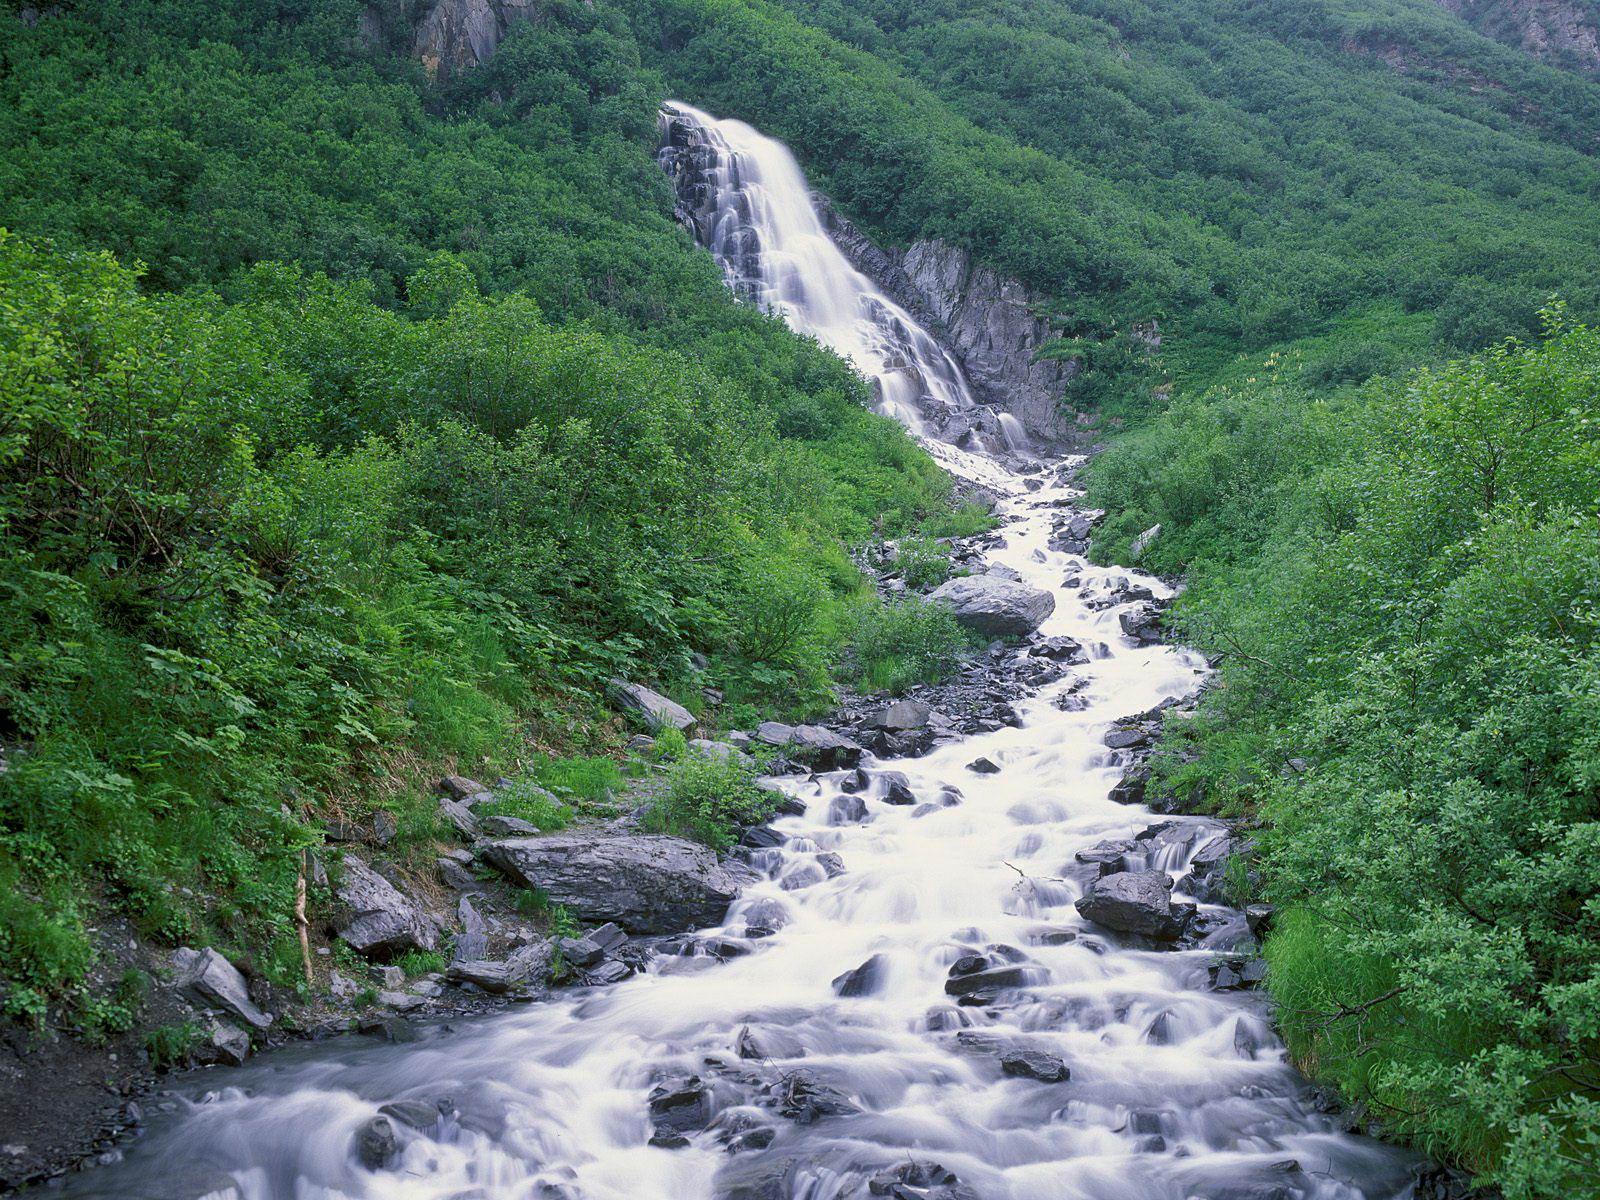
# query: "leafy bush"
[[924, 564], [671, 745], [527, 801], [710, 797], [902, 641]]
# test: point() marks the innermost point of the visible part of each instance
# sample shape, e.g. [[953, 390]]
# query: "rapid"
[[1175, 1090]]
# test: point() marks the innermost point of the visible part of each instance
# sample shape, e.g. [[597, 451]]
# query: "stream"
[[1173, 1090]]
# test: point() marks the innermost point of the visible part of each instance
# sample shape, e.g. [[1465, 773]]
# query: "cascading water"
[[1175, 1090], [747, 200]]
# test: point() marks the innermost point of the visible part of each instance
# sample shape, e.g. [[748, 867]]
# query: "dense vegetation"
[[275, 536], [1402, 582]]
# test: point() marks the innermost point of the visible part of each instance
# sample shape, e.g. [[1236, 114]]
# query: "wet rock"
[[822, 748], [376, 1145], [764, 918], [988, 979], [897, 788], [1135, 902], [864, 980], [847, 810], [983, 766], [1034, 1064], [375, 920], [1108, 857], [1061, 649], [830, 862], [387, 1028], [422, 1115], [802, 1097], [1142, 624], [611, 971], [646, 884], [678, 1108], [1125, 737], [942, 1018], [655, 710], [1130, 788], [995, 607], [1238, 974], [222, 1042], [768, 1043], [919, 1181], [214, 982], [761, 837], [900, 716]]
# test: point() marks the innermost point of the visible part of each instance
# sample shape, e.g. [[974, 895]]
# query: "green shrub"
[[169, 1046], [592, 779], [923, 563], [710, 797], [902, 641], [671, 745]]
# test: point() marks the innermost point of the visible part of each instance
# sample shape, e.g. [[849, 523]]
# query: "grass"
[[527, 801], [905, 641], [965, 520]]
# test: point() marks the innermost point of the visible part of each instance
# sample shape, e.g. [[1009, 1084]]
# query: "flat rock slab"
[[377, 920], [993, 606], [647, 884], [654, 709]]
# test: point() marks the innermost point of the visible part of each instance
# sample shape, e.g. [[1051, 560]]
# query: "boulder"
[[899, 716], [214, 982], [459, 787], [720, 751], [224, 1043], [822, 748], [983, 766], [460, 816], [646, 884], [500, 825], [472, 943], [995, 607], [376, 920], [678, 1108], [654, 709], [774, 733], [1134, 902]]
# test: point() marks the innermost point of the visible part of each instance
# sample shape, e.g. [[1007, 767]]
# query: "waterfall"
[[747, 200], [1105, 1068]]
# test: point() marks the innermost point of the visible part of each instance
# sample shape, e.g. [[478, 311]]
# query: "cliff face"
[[988, 322], [448, 36], [1564, 33]]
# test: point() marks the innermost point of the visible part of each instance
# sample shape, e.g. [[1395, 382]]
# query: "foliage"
[[169, 1046], [903, 641], [924, 564], [421, 962], [1403, 585], [527, 801], [710, 797]]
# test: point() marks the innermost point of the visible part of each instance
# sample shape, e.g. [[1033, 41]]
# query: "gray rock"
[[375, 919], [529, 964], [504, 826], [654, 709], [375, 1144], [720, 751], [1142, 542], [459, 787], [995, 607], [900, 715], [983, 766], [774, 733], [1034, 1064], [864, 980], [823, 748], [646, 884], [460, 816], [223, 1042], [1134, 902], [213, 981], [1142, 623], [472, 943]]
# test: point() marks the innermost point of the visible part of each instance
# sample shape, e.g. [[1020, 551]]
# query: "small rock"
[[863, 980], [1034, 1064], [983, 766]]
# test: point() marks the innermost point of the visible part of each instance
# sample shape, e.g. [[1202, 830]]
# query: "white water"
[[554, 1095]]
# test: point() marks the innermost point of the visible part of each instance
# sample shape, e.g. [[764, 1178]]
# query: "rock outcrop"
[[652, 708], [990, 323], [376, 920], [449, 36], [1564, 33], [650, 885]]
